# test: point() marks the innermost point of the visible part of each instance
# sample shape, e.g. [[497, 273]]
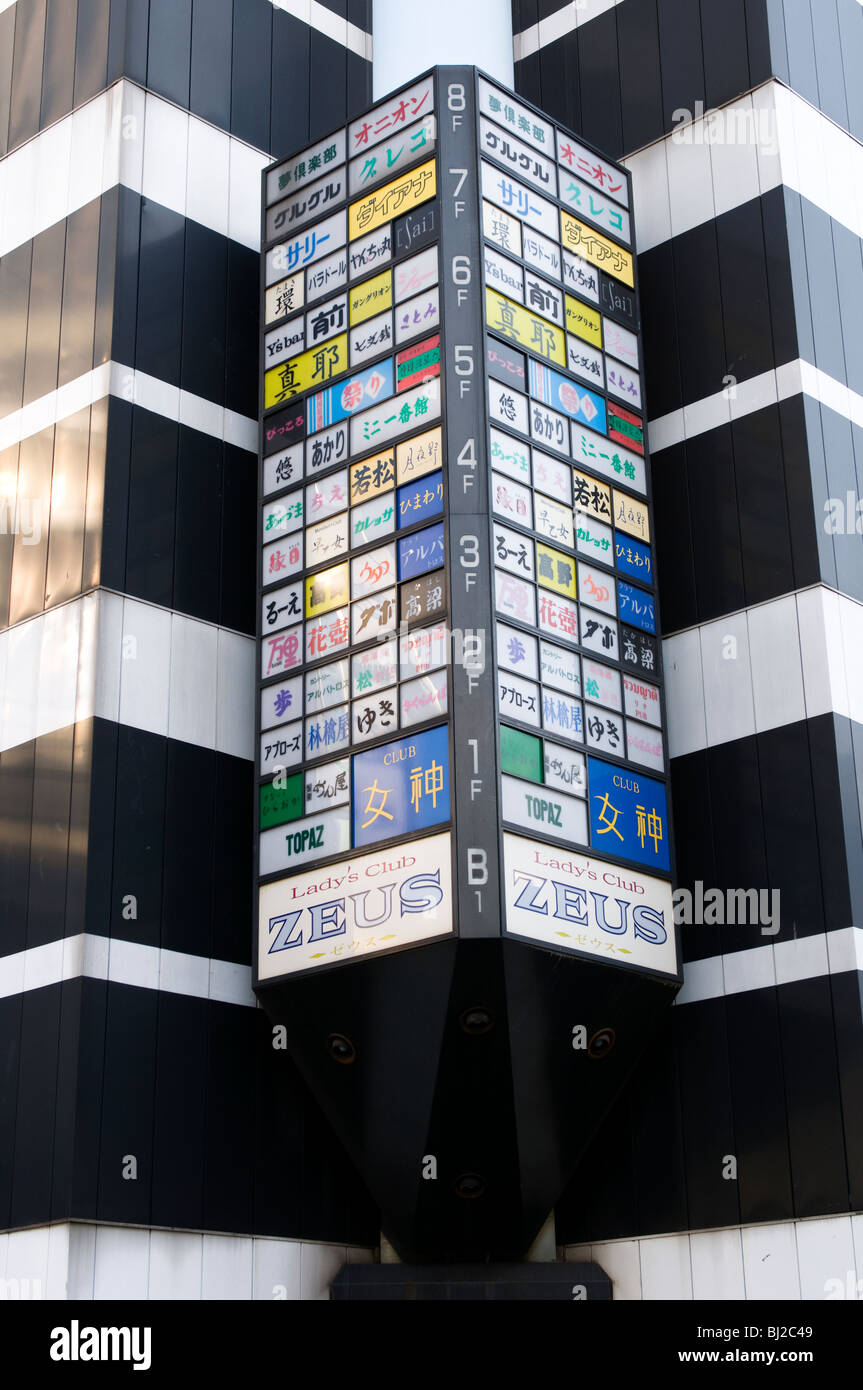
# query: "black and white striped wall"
[[132, 136], [742, 122]]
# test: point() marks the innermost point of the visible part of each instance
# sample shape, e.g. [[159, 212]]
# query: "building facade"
[[152, 1143]]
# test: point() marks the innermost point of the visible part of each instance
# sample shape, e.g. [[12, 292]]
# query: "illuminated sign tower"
[[464, 907]]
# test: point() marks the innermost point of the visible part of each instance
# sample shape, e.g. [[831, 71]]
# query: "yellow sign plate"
[[371, 476], [583, 322], [327, 590], [510, 320], [371, 297], [590, 496], [631, 516], [554, 570], [313, 368], [607, 255], [419, 456], [397, 197]]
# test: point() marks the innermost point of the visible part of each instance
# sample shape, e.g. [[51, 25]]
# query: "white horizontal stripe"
[[113, 379], [769, 137], [131, 137], [780, 384], [554, 26], [87, 1260], [112, 657], [812, 1260], [776, 663], [779, 963], [126, 963], [326, 22]]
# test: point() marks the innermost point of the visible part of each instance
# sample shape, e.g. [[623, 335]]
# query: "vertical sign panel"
[[473, 675]]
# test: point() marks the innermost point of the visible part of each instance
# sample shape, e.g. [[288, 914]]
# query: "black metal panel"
[[851, 46], [841, 479], [229, 1111], [14, 293], [828, 61], [128, 1089], [758, 40], [199, 518], [232, 872], [16, 814], [239, 541], [823, 291], [58, 73], [599, 78], [640, 83], [251, 64], [7, 44], [700, 328], [179, 1156], [760, 1134], [34, 1119], [106, 267], [744, 291], [91, 49], [27, 59], [75, 917], [152, 508], [800, 47], [43, 317], [189, 813], [139, 836], [327, 88], [127, 40], [8, 469], [241, 352], [715, 522], [683, 80], [118, 449], [658, 1131], [694, 847], [818, 1166], [790, 832], [211, 48], [738, 826], [205, 285], [726, 52], [83, 1199], [660, 321], [160, 292], [849, 280], [30, 557], [70, 994], [783, 320], [91, 560], [68, 503], [708, 1132], [169, 49], [848, 1017], [79, 292], [104, 909], [125, 271], [290, 84], [839, 822], [764, 531], [674, 542], [805, 529]]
